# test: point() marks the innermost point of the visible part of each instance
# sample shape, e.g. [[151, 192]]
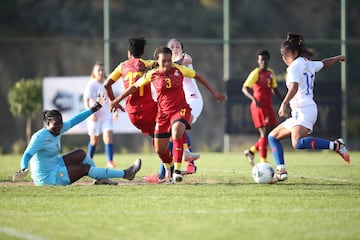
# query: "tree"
[[25, 99]]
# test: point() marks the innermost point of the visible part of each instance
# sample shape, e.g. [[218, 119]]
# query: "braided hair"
[[295, 42], [48, 115]]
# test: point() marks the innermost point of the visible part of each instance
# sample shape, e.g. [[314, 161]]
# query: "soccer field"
[[321, 200]]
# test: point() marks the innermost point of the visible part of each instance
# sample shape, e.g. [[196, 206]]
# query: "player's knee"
[[80, 153]]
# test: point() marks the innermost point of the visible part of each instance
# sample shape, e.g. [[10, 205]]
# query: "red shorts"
[[145, 120], [165, 120], [263, 116]]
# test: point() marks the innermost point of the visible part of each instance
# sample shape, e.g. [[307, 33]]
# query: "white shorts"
[[305, 116], [95, 128], [196, 104]]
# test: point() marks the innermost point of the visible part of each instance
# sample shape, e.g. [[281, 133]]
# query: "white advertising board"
[[66, 95]]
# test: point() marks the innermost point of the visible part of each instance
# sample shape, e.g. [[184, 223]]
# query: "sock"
[[187, 142], [253, 149], [263, 142], [177, 166], [256, 145], [100, 173], [88, 160], [280, 167], [162, 171], [170, 146], [91, 149], [178, 152], [277, 150], [312, 143], [109, 149], [187, 145], [169, 167]]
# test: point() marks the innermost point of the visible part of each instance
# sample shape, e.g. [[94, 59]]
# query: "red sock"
[[178, 149], [257, 145], [263, 147]]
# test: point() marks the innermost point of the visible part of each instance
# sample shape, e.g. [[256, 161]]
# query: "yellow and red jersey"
[[262, 83], [130, 71], [169, 86]]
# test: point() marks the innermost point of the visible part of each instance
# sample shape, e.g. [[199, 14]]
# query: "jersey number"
[[309, 83], [168, 83], [133, 77]]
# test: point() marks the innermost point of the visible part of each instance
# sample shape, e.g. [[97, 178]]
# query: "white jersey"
[[302, 71], [91, 92], [193, 96]]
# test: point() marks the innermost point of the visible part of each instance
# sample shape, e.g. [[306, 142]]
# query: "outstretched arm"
[[218, 96], [332, 60]]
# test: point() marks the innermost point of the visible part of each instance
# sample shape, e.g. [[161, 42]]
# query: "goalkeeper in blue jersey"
[[48, 167]]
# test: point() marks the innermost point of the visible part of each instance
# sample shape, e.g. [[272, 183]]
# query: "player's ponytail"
[[295, 42]]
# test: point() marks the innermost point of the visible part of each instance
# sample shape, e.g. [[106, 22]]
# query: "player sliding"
[[48, 167], [300, 82], [174, 113]]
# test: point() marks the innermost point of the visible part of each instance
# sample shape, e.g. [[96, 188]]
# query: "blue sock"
[[161, 173], [189, 145], [89, 161], [188, 141], [100, 173], [277, 150], [109, 150], [170, 146], [91, 150], [312, 143]]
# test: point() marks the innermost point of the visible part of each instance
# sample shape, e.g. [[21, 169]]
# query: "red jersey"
[[169, 87], [130, 71], [262, 83]]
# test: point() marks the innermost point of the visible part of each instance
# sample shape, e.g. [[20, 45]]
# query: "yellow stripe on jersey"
[[254, 75], [146, 78], [187, 72], [116, 74]]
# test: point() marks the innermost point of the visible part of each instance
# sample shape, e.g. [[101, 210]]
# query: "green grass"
[[321, 200]]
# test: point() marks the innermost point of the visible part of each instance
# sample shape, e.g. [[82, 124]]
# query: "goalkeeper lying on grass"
[[48, 167]]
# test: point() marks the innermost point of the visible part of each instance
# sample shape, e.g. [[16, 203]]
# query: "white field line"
[[217, 212], [22, 235], [325, 178], [290, 176]]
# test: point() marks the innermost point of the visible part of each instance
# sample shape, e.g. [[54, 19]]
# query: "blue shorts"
[[58, 176]]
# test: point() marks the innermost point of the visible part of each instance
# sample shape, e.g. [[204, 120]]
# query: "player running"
[[194, 99], [140, 105], [174, 113]]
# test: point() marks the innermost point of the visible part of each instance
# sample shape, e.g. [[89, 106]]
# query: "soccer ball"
[[262, 172]]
